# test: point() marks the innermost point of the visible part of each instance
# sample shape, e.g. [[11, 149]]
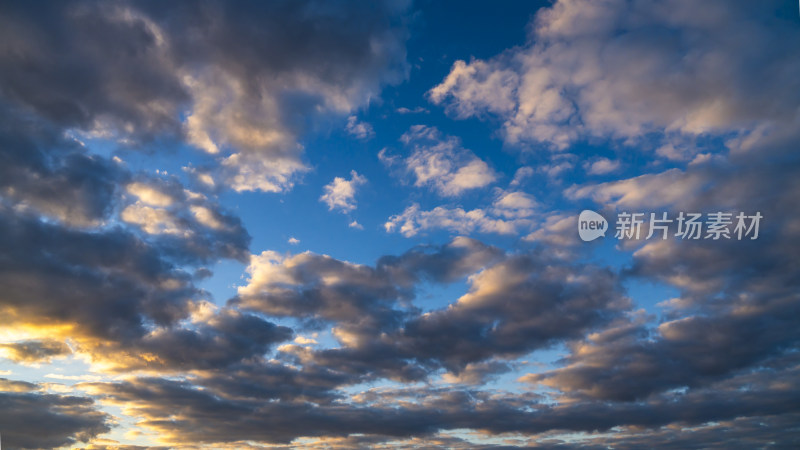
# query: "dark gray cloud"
[[88, 65], [220, 340], [238, 80], [49, 173], [516, 304], [109, 282], [65, 265], [221, 414], [31, 420], [124, 302], [55, 175], [524, 303], [315, 286], [738, 298], [34, 351]]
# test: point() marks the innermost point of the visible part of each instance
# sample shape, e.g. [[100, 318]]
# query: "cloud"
[[340, 193], [602, 166], [515, 204], [149, 194], [119, 299], [417, 110], [360, 301], [293, 241], [52, 174], [619, 71], [151, 220], [456, 220], [222, 339], [510, 212], [361, 130], [414, 220], [515, 304], [34, 351], [218, 413], [441, 163], [32, 419], [521, 175], [183, 223], [241, 89], [557, 230], [736, 298]]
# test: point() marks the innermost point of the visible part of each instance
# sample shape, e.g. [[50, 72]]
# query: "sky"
[[396, 224]]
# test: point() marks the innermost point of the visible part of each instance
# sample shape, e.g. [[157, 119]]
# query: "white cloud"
[[253, 172], [478, 86], [417, 110], [361, 130], [556, 230], [152, 220], [149, 194], [293, 240], [521, 175], [250, 105], [514, 205], [302, 340], [602, 166], [206, 217], [441, 163], [202, 176], [340, 193], [557, 167], [356, 225], [594, 69], [648, 191], [414, 220]]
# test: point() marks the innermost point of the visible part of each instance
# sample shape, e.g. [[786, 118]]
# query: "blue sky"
[[353, 225]]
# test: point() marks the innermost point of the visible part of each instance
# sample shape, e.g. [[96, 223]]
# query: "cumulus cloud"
[[340, 193], [417, 110], [240, 89], [33, 419], [308, 285], [620, 70], [510, 212], [575, 81], [602, 166], [440, 163], [414, 220], [361, 130], [118, 298], [741, 405], [515, 304], [53, 174]]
